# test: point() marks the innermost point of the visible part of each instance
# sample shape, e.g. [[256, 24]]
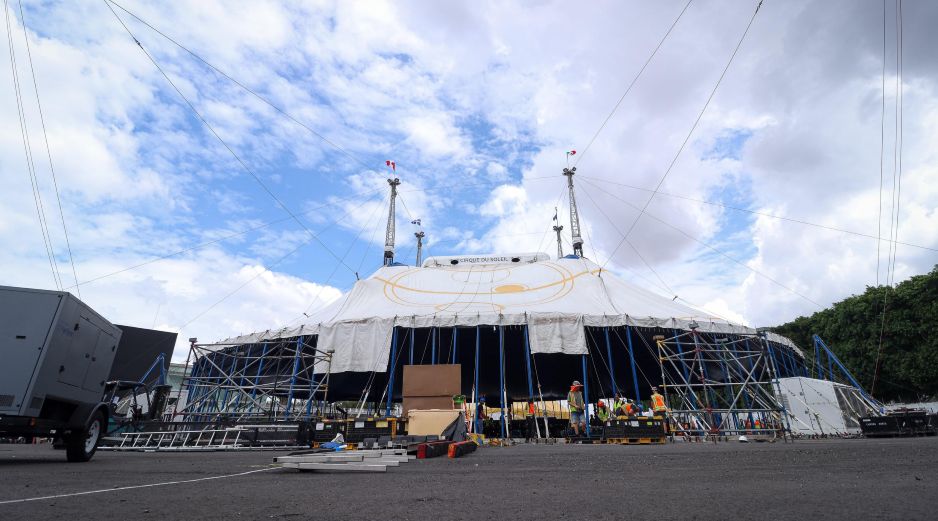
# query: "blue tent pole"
[[478, 428], [413, 333], [455, 345], [612, 371], [432, 345], [501, 364], [817, 361], [527, 361], [586, 396], [296, 367], [628, 337], [392, 372]]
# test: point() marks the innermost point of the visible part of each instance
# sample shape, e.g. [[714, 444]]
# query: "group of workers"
[[621, 406]]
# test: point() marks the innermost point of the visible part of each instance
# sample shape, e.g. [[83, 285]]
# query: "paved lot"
[[842, 479]]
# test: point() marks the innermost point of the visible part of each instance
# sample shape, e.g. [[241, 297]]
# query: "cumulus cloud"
[[477, 103]]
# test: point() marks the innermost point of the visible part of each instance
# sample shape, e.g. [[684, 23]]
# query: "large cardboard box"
[[431, 386]]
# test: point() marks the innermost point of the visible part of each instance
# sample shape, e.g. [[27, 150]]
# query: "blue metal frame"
[[844, 370], [296, 367], [161, 363]]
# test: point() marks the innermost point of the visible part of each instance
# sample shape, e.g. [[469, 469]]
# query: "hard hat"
[[601, 403], [577, 382]]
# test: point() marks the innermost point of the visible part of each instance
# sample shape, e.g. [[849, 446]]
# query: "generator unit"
[[57, 355]]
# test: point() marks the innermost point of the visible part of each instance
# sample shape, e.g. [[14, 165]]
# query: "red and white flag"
[[391, 164]]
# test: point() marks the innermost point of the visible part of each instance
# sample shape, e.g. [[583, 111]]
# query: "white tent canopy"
[[554, 298]]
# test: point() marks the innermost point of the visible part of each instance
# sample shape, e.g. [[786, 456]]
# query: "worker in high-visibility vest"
[[577, 407], [619, 406], [602, 412], [657, 403]]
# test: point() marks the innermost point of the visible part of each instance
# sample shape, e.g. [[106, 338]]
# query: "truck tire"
[[81, 446]]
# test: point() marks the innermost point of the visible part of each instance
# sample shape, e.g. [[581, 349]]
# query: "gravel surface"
[[830, 479]]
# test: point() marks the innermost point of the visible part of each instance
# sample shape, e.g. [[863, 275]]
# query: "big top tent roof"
[[554, 298]]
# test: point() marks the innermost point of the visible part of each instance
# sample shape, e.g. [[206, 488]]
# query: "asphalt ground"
[[826, 479]]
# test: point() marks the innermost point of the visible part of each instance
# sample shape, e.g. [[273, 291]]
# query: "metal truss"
[[284, 379], [718, 387]]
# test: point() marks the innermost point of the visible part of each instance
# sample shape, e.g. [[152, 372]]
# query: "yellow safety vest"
[[658, 402]]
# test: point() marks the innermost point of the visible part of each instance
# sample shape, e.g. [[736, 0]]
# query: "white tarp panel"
[[361, 345], [813, 407], [557, 298], [551, 334]]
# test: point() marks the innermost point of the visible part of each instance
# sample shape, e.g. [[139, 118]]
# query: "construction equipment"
[[58, 353]]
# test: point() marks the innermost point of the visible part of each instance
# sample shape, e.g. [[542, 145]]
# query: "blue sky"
[[477, 106]]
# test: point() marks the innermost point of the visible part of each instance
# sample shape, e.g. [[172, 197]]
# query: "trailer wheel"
[[81, 447]]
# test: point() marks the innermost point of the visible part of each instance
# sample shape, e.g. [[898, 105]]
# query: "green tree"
[[852, 329]]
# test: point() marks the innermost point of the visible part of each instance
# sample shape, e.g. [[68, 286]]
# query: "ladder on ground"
[[206, 439]]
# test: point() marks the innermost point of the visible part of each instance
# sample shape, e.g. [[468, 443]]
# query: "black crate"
[[325, 430], [636, 427]]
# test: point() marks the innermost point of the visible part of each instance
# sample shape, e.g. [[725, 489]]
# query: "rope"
[[897, 188], [714, 249], [45, 137], [755, 212], [631, 84], [30, 163], [616, 228], [689, 134], [882, 152], [205, 122]]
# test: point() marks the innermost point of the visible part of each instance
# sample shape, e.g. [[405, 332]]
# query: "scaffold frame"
[[277, 380], [721, 387]]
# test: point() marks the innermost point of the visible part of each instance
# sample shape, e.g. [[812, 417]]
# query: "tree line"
[[906, 341]]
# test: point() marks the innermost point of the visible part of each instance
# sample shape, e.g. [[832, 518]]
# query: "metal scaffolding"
[[279, 380], [718, 387]]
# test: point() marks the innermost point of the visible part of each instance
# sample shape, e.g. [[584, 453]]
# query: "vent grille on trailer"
[[6, 400], [36, 403]]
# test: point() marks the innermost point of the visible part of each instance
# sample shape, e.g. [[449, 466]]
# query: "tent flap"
[[552, 333], [357, 345]]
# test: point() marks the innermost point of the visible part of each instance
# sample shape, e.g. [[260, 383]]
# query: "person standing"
[[530, 420], [577, 407]]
